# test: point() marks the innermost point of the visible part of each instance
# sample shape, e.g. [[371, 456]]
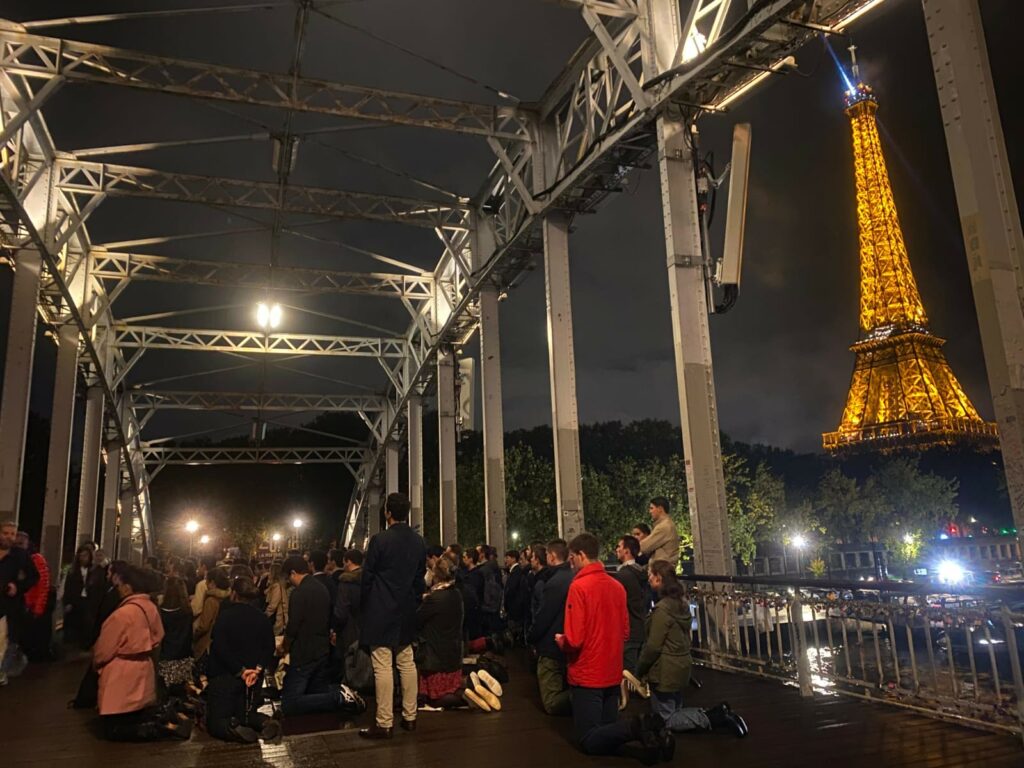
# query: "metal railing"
[[953, 657]]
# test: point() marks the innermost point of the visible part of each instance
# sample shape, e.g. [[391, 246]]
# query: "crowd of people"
[[216, 643]]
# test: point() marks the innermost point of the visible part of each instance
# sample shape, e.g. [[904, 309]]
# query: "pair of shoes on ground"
[[632, 684], [271, 733], [376, 732], [483, 692], [721, 717]]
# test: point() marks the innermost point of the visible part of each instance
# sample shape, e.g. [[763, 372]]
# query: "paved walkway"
[[786, 731]]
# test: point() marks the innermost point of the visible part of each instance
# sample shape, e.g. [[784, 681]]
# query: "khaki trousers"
[[384, 683]]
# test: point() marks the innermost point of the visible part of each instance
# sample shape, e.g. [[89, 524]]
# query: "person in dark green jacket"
[[665, 660]]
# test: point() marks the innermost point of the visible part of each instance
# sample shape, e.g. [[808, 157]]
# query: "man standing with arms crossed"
[[391, 589]]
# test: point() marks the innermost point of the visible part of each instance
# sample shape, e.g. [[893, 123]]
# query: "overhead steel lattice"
[[561, 154]]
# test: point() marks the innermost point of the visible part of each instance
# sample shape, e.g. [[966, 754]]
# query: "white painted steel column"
[[391, 462], [989, 217], [92, 442], [21, 344], [446, 415], [111, 489], [414, 434], [698, 414], [373, 510], [490, 379], [565, 423], [125, 550], [62, 422]]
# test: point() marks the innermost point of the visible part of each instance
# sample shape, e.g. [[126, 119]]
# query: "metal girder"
[[160, 400], [169, 456], [201, 340], [80, 177], [616, 8], [596, 134], [35, 56], [115, 265]]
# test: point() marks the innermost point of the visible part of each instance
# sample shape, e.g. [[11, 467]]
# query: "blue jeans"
[[307, 689], [678, 718], [595, 718]]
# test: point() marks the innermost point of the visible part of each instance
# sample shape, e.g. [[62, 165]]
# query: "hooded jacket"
[[123, 656], [203, 628], [665, 658]]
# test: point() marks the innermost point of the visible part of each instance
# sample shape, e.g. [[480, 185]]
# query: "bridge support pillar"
[[373, 510], [92, 442], [989, 217], [111, 488], [62, 421], [698, 413], [414, 435], [14, 401], [490, 376], [446, 414], [391, 461], [565, 424], [125, 548]]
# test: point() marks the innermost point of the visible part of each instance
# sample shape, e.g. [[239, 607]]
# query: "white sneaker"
[[635, 684], [492, 684]]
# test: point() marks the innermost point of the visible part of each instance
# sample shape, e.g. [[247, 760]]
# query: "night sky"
[[781, 359]]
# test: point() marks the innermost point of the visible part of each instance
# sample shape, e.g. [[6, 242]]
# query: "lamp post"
[[297, 525], [191, 526], [204, 540], [799, 542], [276, 538]]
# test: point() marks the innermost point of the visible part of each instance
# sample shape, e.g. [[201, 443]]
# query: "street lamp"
[[297, 524], [268, 316], [204, 540], [515, 535], [191, 526], [800, 542]]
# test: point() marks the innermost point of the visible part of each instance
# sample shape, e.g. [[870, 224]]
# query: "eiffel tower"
[[903, 393]]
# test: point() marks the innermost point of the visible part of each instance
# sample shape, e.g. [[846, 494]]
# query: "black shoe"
[[667, 747], [244, 734], [376, 732], [271, 732], [408, 725], [721, 717]]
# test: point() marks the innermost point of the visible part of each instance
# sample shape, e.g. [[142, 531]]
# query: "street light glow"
[[799, 541], [276, 537], [515, 535], [204, 539], [908, 538], [191, 526], [268, 316], [297, 523]]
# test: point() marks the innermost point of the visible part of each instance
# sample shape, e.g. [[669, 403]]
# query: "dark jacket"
[[665, 659], [16, 568], [439, 631], [467, 587], [517, 600], [308, 631], [392, 586], [347, 611], [491, 589], [550, 616], [632, 578], [332, 591], [243, 638], [177, 642]]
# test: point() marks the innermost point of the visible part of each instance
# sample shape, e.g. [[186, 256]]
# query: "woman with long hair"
[[439, 639], [176, 663], [277, 598], [83, 589], [665, 660]]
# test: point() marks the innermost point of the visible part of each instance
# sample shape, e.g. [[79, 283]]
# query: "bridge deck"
[[786, 731]]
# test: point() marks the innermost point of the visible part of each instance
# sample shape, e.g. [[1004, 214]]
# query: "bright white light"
[[694, 46], [974, 520], [951, 572], [204, 539], [943, 536], [515, 535], [296, 523], [268, 316], [799, 541], [276, 537], [908, 538], [191, 526]]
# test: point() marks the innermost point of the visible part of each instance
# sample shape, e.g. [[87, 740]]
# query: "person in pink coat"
[[123, 658]]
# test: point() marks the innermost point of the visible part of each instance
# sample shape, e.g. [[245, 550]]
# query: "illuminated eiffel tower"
[[903, 393]]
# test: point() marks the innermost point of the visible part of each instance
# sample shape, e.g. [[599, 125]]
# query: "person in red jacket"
[[596, 629], [38, 606]]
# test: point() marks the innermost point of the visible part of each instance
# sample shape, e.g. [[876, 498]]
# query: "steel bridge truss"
[[642, 63]]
